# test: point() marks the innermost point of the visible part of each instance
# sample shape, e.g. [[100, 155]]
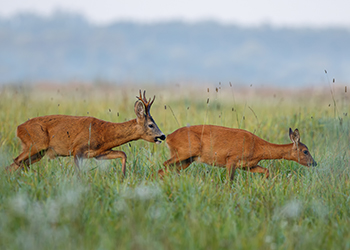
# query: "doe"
[[230, 148]]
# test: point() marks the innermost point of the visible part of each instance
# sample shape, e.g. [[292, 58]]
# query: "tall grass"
[[297, 208]]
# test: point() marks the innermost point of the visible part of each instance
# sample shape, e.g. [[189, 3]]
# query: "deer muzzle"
[[159, 139], [312, 164]]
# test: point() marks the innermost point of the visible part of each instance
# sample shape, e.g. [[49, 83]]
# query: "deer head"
[[300, 151], [149, 129]]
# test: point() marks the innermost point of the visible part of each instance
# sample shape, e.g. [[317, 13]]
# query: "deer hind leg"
[[34, 146], [183, 153], [25, 159], [181, 157], [113, 154], [34, 158], [12, 168], [259, 169], [179, 165], [29, 157]]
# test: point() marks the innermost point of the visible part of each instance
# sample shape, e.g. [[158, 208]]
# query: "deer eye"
[[150, 125], [305, 152]]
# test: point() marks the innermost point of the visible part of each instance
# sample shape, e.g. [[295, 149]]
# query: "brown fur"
[[83, 137], [230, 148]]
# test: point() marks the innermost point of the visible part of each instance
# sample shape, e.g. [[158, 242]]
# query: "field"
[[296, 208]]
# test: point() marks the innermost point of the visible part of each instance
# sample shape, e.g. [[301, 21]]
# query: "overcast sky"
[[310, 13]]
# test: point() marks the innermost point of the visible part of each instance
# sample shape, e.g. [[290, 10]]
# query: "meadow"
[[296, 208]]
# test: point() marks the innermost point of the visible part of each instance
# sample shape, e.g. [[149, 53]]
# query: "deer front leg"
[[111, 154], [77, 159], [231, 169], [259, 169]]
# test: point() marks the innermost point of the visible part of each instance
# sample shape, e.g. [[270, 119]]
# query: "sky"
[[278, 13]]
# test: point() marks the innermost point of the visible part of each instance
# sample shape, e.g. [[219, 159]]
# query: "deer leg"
[[34, 158], [181, 160], [259, 169], [25, 159], [184, 164], [12, 168], [178, 164], [230, 171], [77, 159], [112, 154]]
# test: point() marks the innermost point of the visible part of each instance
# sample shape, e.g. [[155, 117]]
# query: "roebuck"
[[230, 148], [84, 137]]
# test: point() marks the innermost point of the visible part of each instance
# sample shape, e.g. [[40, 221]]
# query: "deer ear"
[[139, 110], [294, 136]]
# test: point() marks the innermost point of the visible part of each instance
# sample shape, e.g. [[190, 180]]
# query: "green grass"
[[297, 208]]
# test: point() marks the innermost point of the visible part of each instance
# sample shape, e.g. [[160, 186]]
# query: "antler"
[[148, 103]]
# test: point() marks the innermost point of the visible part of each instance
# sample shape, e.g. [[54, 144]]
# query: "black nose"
[[161, 137], [314, 164]]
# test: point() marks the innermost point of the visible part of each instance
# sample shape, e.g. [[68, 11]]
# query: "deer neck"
[[276, 151], [120, 133]]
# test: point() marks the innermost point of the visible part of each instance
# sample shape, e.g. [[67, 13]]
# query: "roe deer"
[[230, 148], [84, 137]]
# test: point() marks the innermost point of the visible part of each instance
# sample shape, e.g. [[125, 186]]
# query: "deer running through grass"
[[84, 137], [230, 148]]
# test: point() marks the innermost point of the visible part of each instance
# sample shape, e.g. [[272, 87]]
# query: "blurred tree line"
[[66, 46]]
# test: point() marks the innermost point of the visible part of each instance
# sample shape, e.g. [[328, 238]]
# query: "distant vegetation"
[[66, 46]]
